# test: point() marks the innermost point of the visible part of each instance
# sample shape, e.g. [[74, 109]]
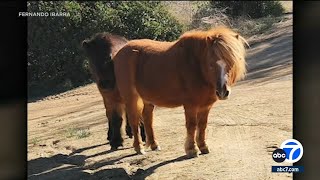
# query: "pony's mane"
[[117, 42], [228, 46], [100, 49], [107, 42]]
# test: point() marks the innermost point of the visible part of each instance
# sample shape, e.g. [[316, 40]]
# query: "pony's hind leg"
[[201, 130], [125, 73], [143, 134], [129, 132], [133, 115], [191, 123], [148, 124], [128, 128]]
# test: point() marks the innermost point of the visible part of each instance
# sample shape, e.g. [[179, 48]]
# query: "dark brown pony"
[[194, 72], [100, 49]]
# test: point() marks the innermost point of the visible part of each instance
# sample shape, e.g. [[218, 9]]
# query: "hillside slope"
[[242, 131]]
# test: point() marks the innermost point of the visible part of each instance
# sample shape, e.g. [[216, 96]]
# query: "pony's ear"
[[209, 39], [85, 44], [110, 62], [242, 39], [212, 40]]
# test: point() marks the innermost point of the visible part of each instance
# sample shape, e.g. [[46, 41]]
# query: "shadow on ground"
[[72, 166], [142, 174]]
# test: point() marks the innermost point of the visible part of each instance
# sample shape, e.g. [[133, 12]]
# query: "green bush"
[[56, 61], [148, 20]]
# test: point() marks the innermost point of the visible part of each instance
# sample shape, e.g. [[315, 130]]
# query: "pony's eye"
[[109, 58]]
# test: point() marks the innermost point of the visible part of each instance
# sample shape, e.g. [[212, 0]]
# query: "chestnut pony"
[[100, 50], [194, 71]]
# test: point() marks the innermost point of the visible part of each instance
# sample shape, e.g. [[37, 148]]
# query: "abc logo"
[[279, 155], [293, 149], [290, 151]]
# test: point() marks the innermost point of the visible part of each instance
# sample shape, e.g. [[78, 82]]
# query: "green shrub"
[[56, 61]]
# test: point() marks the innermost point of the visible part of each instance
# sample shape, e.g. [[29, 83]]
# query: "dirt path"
[[67, 133]]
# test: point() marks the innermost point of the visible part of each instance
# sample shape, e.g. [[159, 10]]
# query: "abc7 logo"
[[290, 151], [279, 155]]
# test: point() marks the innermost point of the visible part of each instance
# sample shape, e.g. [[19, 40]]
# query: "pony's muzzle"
[[223, 92]]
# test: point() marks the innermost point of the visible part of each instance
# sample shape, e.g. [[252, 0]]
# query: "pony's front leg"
[[110, 133], [148, 124], [191, 123], [116, 130], [133, 116], [115, 119], [201, 129]]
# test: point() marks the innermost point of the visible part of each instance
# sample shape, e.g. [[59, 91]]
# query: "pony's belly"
[[175, 97], [161, 103], [176, 102], [161, 91], [161, 100]]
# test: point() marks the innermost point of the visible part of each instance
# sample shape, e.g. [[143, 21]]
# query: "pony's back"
[[149, 45]]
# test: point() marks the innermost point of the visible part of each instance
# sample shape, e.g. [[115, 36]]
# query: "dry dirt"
[[242, 131]]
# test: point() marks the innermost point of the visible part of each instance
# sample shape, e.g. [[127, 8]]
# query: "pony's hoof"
[[157, 148], [204, 150], [192, 153], [116, 146], [142, 152], [113, 148]]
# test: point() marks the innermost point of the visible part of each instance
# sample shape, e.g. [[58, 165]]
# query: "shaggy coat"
[[194, 72]]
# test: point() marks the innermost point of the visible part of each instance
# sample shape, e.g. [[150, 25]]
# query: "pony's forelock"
[[227, 45], [231, 48]]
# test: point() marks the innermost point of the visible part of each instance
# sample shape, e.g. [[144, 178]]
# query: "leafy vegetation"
[[56, 61]]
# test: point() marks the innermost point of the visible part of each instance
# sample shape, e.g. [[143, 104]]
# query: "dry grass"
[[79, 133], [287, 5], [183, 11], [34, 141], [250, 27]]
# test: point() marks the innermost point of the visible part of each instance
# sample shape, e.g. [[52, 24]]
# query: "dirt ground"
[[67, 133]]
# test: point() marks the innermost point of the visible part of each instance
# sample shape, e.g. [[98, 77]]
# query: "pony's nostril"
[[227, 93]]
